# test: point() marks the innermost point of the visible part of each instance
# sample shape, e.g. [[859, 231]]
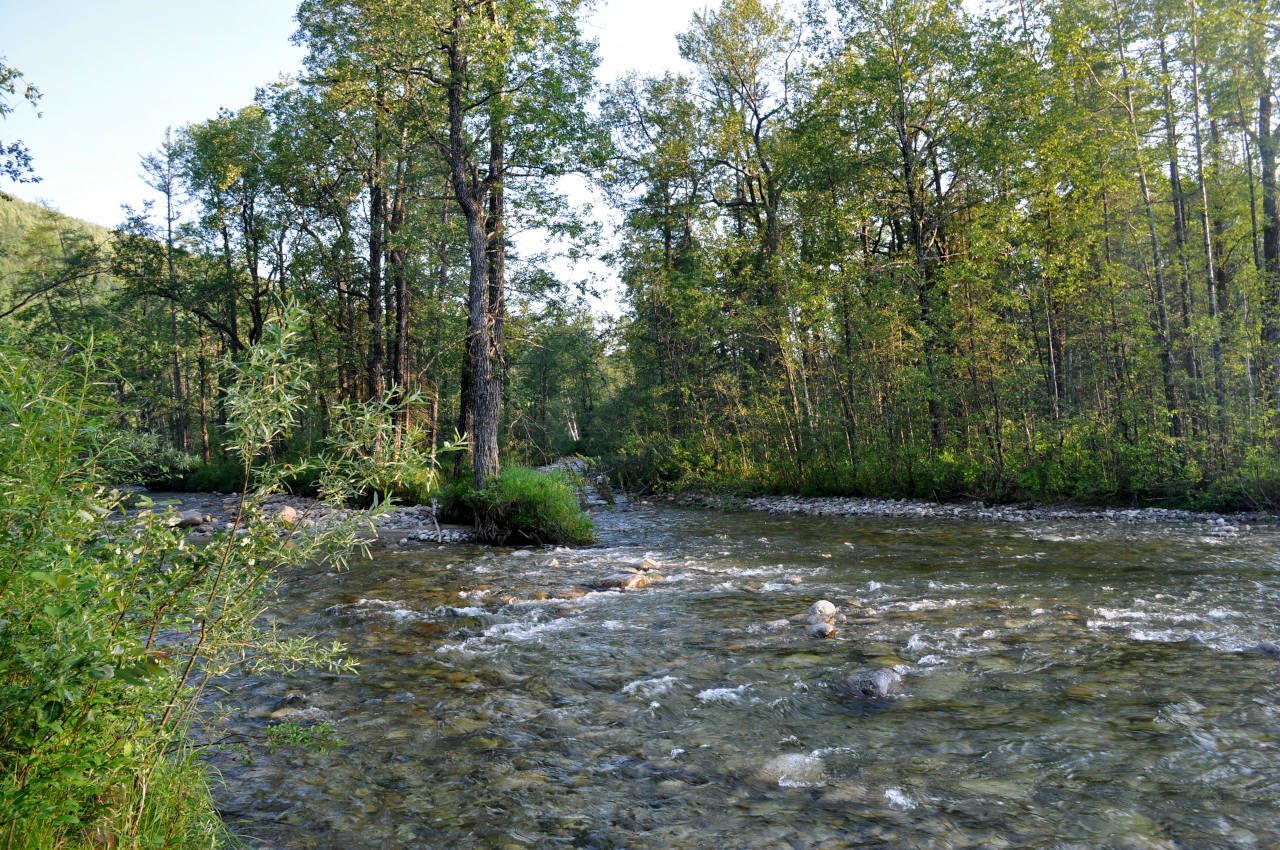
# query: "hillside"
[[33, 237]]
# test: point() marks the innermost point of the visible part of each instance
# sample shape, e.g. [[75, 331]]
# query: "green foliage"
[[110, 627], [133, 457], [319, 737], [15, 159], [224, 475], [528, 506], [938, 257]]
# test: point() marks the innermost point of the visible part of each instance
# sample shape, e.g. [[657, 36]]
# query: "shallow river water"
[[1068, 685]]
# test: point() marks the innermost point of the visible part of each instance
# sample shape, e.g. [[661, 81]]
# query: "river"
[[1068, 684]]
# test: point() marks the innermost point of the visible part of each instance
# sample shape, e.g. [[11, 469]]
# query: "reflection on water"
[[1068, 686]]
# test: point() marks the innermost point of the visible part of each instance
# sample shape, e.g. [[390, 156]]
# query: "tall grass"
[[527, 506]]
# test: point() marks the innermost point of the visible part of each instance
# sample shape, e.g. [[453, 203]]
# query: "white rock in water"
[[794, 770], [648, 564], [820, 630], [822, 611], [288, 515]]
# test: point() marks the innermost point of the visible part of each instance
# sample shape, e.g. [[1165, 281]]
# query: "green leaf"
[[47, 578]]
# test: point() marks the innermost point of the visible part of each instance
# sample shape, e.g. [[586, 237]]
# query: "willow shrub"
[[111, 625], [527, 506]]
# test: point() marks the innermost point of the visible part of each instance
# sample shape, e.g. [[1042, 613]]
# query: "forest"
[[897, 248], [888, 248]]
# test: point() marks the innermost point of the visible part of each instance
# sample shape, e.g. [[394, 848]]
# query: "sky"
[[115, 73]]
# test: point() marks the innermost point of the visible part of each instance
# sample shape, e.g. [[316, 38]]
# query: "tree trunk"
[[376, 363], [1267, 144], [1157, 256], [1179, 217], [469, 192], [1211, 275]]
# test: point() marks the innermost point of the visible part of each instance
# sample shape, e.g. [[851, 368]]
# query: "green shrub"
[[133, 457], [526, 506], [111, 627]]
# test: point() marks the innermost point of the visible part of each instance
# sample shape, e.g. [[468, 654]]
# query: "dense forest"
[[893, 248]]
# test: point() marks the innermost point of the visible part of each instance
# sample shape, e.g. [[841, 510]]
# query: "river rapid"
[[1069, 683]]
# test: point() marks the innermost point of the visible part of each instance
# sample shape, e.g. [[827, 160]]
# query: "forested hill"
[[898, 248], [20, 219]]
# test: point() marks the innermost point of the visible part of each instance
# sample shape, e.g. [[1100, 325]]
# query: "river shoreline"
[[408, 525], [844, 506], [401, 525]]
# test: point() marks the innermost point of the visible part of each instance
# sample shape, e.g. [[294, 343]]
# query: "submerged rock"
[[822, 611], [874, 685], [821, 630], [1268, 648], [794, 770], [624, 581]]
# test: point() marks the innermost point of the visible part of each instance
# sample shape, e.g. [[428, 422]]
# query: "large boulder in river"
[[624, 581], [187, 519], [822, 611], [877, 684]]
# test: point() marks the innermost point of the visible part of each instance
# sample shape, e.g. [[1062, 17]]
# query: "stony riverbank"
[[972, 511], [205, 513]]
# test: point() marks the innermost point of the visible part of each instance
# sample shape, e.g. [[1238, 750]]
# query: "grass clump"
[[527, 506]]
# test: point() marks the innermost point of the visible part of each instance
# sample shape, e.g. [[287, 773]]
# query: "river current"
[[1068, 684]]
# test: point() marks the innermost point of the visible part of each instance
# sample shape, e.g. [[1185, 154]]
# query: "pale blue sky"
[[116, 73]]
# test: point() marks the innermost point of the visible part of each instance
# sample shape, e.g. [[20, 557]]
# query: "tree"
[[15, 159]]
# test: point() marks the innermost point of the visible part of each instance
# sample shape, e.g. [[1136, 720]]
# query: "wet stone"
[[624, 581], [821, 630], [877, 684], [822, 611], [189, 519]]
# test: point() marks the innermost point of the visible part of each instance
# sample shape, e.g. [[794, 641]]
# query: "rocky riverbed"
[[1053, 683]]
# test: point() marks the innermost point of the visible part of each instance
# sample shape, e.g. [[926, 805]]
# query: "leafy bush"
[[132, 457], [111, 627], [526, 506]]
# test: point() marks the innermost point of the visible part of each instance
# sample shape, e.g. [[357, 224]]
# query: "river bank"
[[204, 513], [409, 525], [918, 509]]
